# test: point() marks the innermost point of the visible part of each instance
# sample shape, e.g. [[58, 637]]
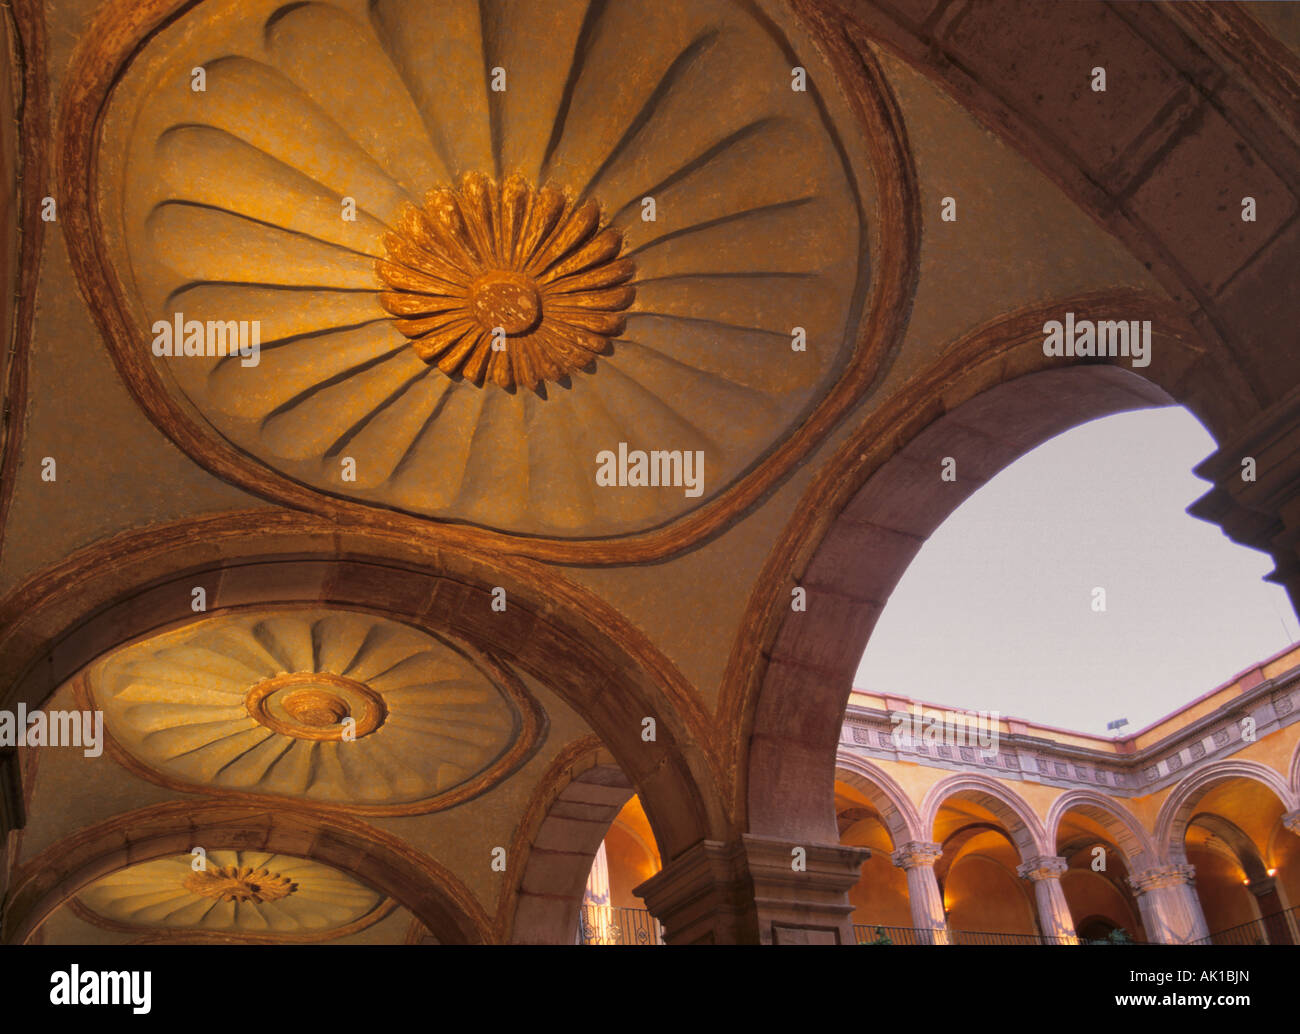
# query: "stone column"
[[917, 858], [1171, 911], [1045, 871], [756, 890]]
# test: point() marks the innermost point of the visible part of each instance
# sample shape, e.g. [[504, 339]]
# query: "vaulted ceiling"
[[480, 244]]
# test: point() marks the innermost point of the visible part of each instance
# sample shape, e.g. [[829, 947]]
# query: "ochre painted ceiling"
[[348, 178]]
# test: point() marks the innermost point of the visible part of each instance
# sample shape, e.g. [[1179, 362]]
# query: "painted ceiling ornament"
[[511, 284], [313, 705], [248, 892], [463, 296], [331, 707], [239, 883]]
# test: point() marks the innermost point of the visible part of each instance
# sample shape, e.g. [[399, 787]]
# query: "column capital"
[[801, 890], [702, 896], [916, 852], [1042, 867], [1291, 820], [1163, 876]]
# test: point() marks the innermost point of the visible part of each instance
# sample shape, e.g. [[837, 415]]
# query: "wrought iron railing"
[[875, 934], [985, 937], [1276, 928], [871, 933], [605, 924]]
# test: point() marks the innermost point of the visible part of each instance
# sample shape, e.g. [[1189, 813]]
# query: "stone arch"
[[576, 802], [1127, 833], [430, 892], [956, 842], [1178, 808], [1015, 814], [992, 397], [886, 795], [1237, 842], [139, 583]]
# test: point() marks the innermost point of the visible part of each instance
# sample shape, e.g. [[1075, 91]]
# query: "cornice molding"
[[868, 733]]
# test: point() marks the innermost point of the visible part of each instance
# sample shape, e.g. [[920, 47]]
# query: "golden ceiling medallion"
[[316, 705], [239, 883], [511, 284]]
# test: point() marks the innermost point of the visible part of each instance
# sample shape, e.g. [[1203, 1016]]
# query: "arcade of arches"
[[382, 650], [1179, 831]]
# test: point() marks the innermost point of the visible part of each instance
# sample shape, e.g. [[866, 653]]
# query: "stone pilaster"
[[916, 858], [756, 890], [1291, 820], [1045, 872], [1171, 911]]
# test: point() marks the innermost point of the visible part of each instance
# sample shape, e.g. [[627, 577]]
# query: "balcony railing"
[[1277, 928], [605, 924], [979, 937], [871, 933]]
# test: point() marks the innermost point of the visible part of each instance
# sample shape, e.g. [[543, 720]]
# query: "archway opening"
[[1246, 871], [984, 898], [611, 912], [880, 897], [1075, 574], [1096, 883]]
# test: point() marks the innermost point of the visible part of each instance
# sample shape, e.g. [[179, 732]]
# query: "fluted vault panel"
[[327, 706], [468, 291], [248, 892]]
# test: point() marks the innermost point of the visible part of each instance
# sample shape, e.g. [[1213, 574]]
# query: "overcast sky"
[[995, 612]]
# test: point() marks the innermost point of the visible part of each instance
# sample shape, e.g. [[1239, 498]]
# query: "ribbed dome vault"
[[461, 298], [236, 892], [327, 706]]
